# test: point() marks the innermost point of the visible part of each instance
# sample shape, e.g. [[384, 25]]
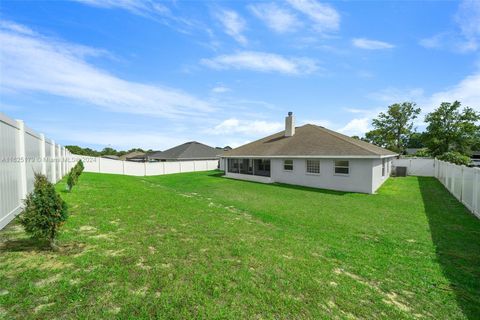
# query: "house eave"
[[314, 156]]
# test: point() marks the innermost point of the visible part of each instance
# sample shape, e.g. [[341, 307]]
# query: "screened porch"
[[256, 167]]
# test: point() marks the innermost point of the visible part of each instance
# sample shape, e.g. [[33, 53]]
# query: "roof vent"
[[289, 125]]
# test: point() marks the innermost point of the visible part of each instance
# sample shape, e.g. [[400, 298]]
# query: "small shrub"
[[455, 157], [44, 212], [73, 175], [70, 180], [81, 166]]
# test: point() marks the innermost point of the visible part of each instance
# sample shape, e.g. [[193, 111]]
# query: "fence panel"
[[187, 166], [467, 187], [417, 166], [134, 168], [23, 152], [462, 182], [201, 165], [212, 164], [9, 170], [48, 159], [131, 168], [110, 166], [154, 168], [32, 157]]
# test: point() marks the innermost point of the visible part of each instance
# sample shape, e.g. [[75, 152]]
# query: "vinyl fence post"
[[452, 179], [476, 191], [64, 163], [42, 154], [52, 163], [461, 183], [22, 158]]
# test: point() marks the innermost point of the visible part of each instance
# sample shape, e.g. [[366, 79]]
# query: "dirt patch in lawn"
[[390, 298]]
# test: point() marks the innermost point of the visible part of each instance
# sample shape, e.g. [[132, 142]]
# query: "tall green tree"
[[416, 140], [452, 129], [393, 129]]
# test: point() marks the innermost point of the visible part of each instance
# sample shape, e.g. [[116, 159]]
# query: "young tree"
[[393, 128], [452, 129], [44, 211]]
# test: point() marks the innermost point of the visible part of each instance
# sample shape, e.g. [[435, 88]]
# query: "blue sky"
[[151, 74]]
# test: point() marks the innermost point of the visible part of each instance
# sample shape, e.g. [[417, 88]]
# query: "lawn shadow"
[[24, 244], [221, 174], [14, 239], [455, 233], [36, 245]]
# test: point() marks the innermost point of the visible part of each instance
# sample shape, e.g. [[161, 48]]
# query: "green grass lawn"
[[197, 245]]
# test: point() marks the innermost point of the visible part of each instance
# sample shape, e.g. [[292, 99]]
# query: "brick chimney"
[[289, 125]]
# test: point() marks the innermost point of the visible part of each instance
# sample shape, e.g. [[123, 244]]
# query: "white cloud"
[[435, 41], [324, 16], [247, 127], [220, 89], [467, 92], [468, 20], [151, 9], [275, 17], [356, 127], [263, 62], [31, 63], [394, 95], [18, 28], [138, 7], [369, 44], [465, 37], [234, 24]]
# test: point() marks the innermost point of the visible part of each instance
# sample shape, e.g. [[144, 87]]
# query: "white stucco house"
[[310, 156]]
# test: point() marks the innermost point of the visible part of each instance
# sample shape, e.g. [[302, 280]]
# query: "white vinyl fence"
[[24, 152], [130, 168], [423, 167], [463, 182]]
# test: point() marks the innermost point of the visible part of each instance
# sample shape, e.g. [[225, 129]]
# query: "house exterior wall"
[[359, 178], [377, 178], [365, 175]]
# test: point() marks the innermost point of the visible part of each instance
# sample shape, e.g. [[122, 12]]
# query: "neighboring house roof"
[[132, 155], [110, 156], [412, 150], [187, 151], [309, 140]]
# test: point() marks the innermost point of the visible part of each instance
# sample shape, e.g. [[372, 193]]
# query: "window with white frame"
[[342, 167], [288, 165], [313, 166], [383, 167]]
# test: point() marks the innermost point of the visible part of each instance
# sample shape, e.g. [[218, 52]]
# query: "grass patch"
[[196, 245]]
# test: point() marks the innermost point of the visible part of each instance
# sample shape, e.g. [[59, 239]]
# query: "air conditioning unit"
[[400, 171]]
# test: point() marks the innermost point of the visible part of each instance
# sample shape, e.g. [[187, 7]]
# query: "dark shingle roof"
[[187, 151], [309, 140], [132, 155]]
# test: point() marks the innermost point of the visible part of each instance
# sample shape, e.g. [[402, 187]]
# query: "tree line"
[[105, 151], [452, 131]]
